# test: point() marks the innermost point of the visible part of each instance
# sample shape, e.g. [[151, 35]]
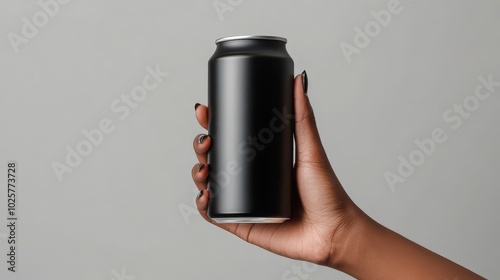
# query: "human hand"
[[326, 227], [322, 211]]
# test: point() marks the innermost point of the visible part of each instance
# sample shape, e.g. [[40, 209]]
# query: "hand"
[[323, 209], [326, 227]]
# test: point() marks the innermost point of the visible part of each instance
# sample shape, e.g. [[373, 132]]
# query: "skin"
[[327, 227]]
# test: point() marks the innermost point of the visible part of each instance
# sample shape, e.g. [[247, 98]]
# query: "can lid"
[[253, 37]]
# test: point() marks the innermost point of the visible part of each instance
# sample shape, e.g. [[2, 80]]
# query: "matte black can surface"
[[250, 100]]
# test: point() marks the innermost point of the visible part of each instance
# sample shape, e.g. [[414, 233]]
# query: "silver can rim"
[[253, 37]]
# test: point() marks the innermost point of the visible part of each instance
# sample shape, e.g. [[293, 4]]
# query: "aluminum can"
[[250, 101]]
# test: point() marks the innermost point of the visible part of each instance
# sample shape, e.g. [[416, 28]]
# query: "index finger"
[[201, 112]]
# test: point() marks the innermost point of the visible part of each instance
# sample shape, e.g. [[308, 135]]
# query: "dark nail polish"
[[201, 138], [200, 194], [200, 167], [196, 106], [304, 81]]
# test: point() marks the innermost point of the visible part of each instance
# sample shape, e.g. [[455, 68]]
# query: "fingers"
[[201, 112], [199, 172], [200, 175], [309, 147], [201, 145], [202, 203], [202, 142]]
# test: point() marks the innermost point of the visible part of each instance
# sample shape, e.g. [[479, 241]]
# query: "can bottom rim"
[[250, 220]]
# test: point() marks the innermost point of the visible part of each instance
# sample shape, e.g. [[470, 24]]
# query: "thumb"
[[308, 143]]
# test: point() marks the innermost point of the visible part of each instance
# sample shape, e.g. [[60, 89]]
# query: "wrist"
[[365, 249], [351, 239]]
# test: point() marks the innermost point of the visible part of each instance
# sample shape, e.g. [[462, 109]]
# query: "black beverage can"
[[250, 100]]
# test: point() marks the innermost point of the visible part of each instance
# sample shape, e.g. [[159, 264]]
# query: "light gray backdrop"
[[125, 211]]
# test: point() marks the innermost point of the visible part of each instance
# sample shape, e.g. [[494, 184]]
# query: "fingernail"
[[196, 106], [201, 138], [200, 167], [200, 194], [304, 81]]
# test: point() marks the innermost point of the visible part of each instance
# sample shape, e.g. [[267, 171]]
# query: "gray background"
[[118, 214]]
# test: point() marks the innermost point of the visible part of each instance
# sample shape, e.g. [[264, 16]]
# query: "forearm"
[[371, 251]]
